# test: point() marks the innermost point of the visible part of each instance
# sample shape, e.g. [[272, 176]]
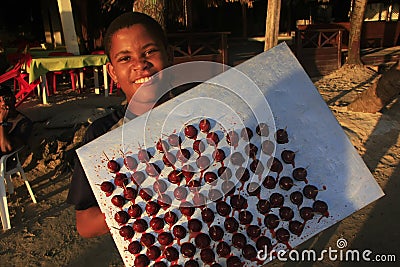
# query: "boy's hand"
[[5, 146], [3, 113], [4, 108]]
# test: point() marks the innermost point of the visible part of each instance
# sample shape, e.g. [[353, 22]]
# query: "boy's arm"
[[91, 222], [21, 132], [5, 142]]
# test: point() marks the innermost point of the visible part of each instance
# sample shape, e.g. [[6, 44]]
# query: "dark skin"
[[135, 56], [6, 110]]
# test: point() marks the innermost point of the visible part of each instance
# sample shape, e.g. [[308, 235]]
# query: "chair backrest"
[[5, 159], [16, 58], [98, 52], [60, 54], [14, 72]]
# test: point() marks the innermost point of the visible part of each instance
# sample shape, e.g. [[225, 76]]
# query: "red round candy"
[[165, 238], [190, 131], [205, 125]]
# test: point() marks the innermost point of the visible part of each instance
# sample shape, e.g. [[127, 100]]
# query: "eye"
[[150, 51], [124, 58]]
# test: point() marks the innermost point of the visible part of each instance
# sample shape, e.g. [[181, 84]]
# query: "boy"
[[137, 48]]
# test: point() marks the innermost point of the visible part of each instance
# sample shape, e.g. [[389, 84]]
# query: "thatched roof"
[[216, 3]]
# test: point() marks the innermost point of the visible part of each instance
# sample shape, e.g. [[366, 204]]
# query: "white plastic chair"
[[5, 178]]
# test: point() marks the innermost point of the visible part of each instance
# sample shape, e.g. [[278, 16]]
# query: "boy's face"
[[6, 102], [135, 56]]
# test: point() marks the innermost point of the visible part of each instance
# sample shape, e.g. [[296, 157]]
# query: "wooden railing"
[[374, 34], [204, 46], [318, 38], [319, 50]]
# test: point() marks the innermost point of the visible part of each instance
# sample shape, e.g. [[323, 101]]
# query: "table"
[[38, 68], [36, 52]]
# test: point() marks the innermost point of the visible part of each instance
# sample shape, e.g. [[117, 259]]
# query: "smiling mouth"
[[143, 80]]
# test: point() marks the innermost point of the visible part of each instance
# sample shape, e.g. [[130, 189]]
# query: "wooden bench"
[[380, 34], [199, 46], [374, 34], [319, 50]]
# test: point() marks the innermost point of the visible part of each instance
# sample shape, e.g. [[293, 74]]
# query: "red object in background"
[[98, 52], [19, 58], [73, 73], [25, 88], [14, 58], [112, 84]]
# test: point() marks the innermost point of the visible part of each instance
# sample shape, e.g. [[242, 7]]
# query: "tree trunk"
[[356, 22], [81, 24], [244, 19], [188, 10], [380, 94], [272, 24], [153, 8]]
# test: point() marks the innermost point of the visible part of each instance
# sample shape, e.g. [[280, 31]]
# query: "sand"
[[44, 234]]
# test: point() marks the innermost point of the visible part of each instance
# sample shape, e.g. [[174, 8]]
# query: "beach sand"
[[44, 234]]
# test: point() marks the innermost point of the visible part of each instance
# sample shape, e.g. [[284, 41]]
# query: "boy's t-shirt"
[[18, 128], [80, 193]]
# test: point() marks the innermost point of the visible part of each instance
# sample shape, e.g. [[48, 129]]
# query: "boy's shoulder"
[[103, 124]]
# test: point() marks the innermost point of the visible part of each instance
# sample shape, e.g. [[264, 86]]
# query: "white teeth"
[[143, 80]]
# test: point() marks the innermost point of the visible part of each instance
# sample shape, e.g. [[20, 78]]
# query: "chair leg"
[[15, 86], [10, 186], [78, 81], [111, 86], [22, 173], [5, 216], [47, 88], [54, 81], [73, 81], [45, 78], [118, 89]]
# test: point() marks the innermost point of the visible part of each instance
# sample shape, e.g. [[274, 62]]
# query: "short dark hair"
[[5, 90], [129, 19], [7, 94]]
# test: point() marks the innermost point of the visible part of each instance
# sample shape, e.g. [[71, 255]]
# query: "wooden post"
[[224, 48], [272, 24], [68, 25], [189, 15], [51, 23], [96, 81], [105, 78], [244, 19], [339, 48]]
